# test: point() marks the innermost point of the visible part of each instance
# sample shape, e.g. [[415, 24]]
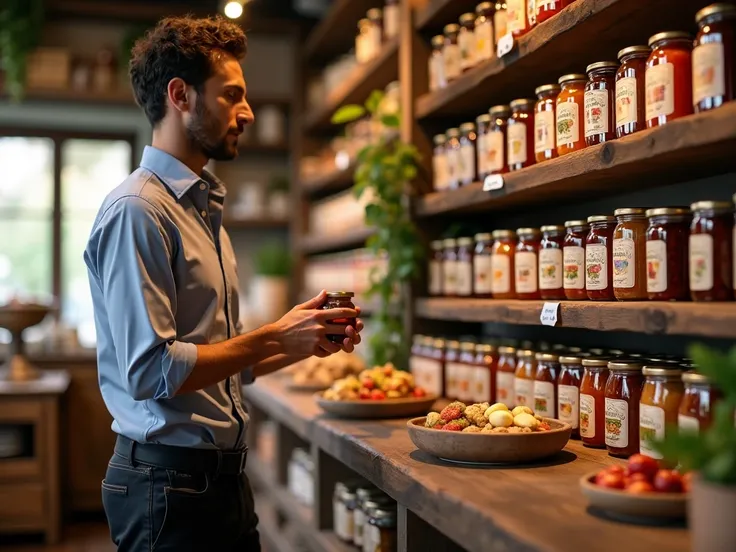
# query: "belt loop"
[[219, 465], [131, 452]]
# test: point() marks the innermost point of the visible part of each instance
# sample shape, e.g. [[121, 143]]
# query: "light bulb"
[[233, 9]]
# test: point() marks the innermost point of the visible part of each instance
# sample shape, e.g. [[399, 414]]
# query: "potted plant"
[[21, 23], [269, 290], [711, 456], [278, 196]]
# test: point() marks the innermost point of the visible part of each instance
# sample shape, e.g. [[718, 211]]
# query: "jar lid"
[[712, 206], [436, 244], [452, 132], [624, 365], [661, 371], [467, 127], [520, 103], [449, 242], [365, 492], [727, 10], [525, 353], [547, 357], [639, 49], [669, 35], [601, 218], [363, 22], [374, 13], [565, 359], [439, 139], [451, 28], [462, 242], [571, 223], [507, 350], [628, 211], [377, 501], [547, 88], [596, 351], [467, 18], [499, 234], [616, 352], [484, 348], [595, 362], [383, 518], [483, 6], [552, 228], [527, 231], [452, 344], [439, 343], [467, 346], [500, 110], [340, 294], [485, 236], [482, 119], [416, 338], [571, 77], [438, 40], [695, 377], [668, 211], [602, 65]]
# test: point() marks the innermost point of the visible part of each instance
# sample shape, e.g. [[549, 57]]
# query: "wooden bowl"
[[388, 408], [641, 507], [489, 448], [305, 387]]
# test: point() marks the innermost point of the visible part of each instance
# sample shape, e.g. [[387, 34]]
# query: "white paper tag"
[[493, 182], [549, 314], [505, 45]]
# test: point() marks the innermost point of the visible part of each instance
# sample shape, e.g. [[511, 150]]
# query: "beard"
[[204, 132]]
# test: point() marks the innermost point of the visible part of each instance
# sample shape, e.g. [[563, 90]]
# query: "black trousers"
[[151, 508]]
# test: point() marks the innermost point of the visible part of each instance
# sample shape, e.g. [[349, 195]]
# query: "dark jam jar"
[[526, 263], [711, 247], [669, 86], [339, 300], [550, 262], [630, 98], [623, 392], [713, 57], [573, 259], [667, 245], [600, 102], [520, 135], [599, 258]]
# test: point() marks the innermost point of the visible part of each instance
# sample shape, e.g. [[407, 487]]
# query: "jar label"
[[596, 112], [439, 168], [467, 163], [500, 25], [544, 131], [544, 398], [465, 374], [451, 57], [550, 269], [464, 278], [626, 101], [525, 264], [656, 266], [483, 274], [688, 424], [624, 263], [701, 262], [617, 423], [435, 278], [494, 151], [709, 79], [587, 416], [596, 266], [524, 392], [651, 428], [568, 408], [451, 375], [568, 124], [452, 166], [573, 263], [516, 138], [391, 20], [481, 391], [484, 41], [359, 526], [466, 41], [501, 267], [546, 4], [516, 15], [505, 392], [531, 12], [437, 77], [427, 373], [660, 90], [480, 153], [449, 278]]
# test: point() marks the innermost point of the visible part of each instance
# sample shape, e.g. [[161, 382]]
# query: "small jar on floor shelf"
[[545, 385], [526, 263], [593, 402], [697, 406], [526, 368], [568, 391], [711, 250], [505, 374], [658, 408]]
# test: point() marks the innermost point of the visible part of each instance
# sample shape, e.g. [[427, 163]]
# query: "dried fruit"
[[456, 425], [501, 418], [474, 414], [526, 420], [494, 408], [453, 411], [521, 410], [433, 418], [472, 429]]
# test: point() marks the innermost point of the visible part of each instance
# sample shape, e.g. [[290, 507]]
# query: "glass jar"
[[483, 265], [500, 21], [439, 162], [599, 258], [451, 52], [464, 268], [629, 255], [517, 22], [466, 372], [658, 408], [466, 41], [453, 369], [568, 392], [483, 122], [545, 132], [375, 35], [486, 362], [449, 268], [713, 56], [437, 368], [573, 259], [667, 246], [548, 8], [339, 300], [391, 19], [484, 43], [467, 170], [669, 88], [697, 406], [505, 376], [593, 402], [526, 263], [520, 135], [503, 284], [526, 368], [545, 389], [550, 262], [435, 268], [350, 502], [437, 78], [495, 141], [711, 247], [426, 365], [382, 526], [600, 102], [362, 512], [623, 392], [453, 156], [570, 108], [630, 98]]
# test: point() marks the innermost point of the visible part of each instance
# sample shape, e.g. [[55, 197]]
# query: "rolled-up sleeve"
[[246, 374], [132, 261]]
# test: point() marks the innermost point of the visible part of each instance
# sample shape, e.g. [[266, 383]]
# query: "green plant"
[[385, 168], [711, 452], [272, 260], [21, 22]]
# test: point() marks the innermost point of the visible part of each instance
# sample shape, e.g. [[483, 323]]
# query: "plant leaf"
[[391, 121], [347, 114], [374, 101]]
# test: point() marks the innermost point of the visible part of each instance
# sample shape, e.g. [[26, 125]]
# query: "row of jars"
[[662, 254], [376, 28], [364, 516], [648, 87]]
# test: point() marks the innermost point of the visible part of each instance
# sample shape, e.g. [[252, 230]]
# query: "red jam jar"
[[630, 86], [593, 402], [486, 364], [669, 87], [526, 263], [502, 264], [550, 262], [713, 56], [568, 391], [599, 258], [573, 259], [505, 376], [623, 391], [449, 268], [570, 114], [520, 135], [711, 248], [667, 261], [697, 406], [545, 385], [600, 102], [339, 300], [495, 139], [544, 122]]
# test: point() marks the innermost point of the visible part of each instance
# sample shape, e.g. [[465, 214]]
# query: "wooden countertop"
[[536, 507]]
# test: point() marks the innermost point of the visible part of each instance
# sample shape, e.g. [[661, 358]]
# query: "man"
[[162, 271]]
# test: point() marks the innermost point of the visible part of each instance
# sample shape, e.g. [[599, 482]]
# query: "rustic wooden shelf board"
[[349, 239], [332, 182], [438, 13], [692, 147]]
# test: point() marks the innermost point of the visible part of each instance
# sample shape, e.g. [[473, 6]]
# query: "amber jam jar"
[[599, 258], [623, 393], [434, 286], [484, 42], [520, 135], [630, 98], [503, 285], [667, 261], [483, 123], [629, 255], [658, 408], [545, 132], [486, 364], [466, 41], [339, 300], [573, 259], [451, 55], [669, 87], [449, 268], [526, 368], [713, 56], [483, 265], [600, 102], [505, 375], [452, 155], [697, 406], [464, 267], [711, 247], [452, 369], [495, 142], [500, 21], [526, 263], [466, 372], [436, 71], [593, 402], [545, 385], [517, 21], [569, 114], [550, 262], [439, 162], [568, 391], [467, 170]]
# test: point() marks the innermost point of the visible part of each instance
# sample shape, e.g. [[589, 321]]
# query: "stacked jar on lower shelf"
[[364, 516]]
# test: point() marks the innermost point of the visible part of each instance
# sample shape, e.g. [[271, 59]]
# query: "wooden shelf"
[[350, 239], [268, 526], [332, 182], [438, 13], [692, 147], [255, 224]]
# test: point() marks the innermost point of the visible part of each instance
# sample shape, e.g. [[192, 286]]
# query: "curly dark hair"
[[183, 47]]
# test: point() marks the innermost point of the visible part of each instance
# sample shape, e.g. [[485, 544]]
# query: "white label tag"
[[549, 314], [505, 45], [493, 182]]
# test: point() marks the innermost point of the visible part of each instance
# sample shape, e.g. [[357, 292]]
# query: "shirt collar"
[[176, 175]]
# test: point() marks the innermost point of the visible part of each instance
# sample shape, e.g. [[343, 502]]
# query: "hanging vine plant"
[[385, 168], [21, 23]]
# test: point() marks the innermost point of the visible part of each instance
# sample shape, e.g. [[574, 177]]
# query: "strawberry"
[[378, 395], [419, 392], [452, 411], [364, 393], [368, 383]]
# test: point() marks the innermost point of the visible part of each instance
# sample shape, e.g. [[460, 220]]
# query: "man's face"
[[220, 111]]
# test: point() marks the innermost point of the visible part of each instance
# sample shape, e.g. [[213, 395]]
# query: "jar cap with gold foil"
[[668, 212], [552, 229], [483, 6], [712, 206], [639, 49], [467, 346], [628, 211], [449, 242], [439, 139], [436, 244], [438, 40], [500, 110], [601, 218], [573, 223], [451, 28], [527, 231], [595, 362], [500, 234], [484, 348], [669, 35], [664, 371], [452, 344], [722, 9], [467, 18], [547, 88], [505, 350], [439, 343], [525, 353], [483, 119], [464, 242], [602, 65], [625, 365], [340, 294], [571, 359], [453, 133], [571, 77], [695, 377], [520, 103], [547, 357], [484, 237], [467, 127]]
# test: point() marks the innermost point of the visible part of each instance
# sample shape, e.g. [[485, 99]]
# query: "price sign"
[[549, 314], [505, 45], [493, 182]]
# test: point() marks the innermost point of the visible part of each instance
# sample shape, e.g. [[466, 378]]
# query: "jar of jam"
[[483, 265], [544, 122], [427, 366], [391, 19], [573, 259], [464, 267], [697, 406], [439, 162], [545, 389], [467, 170], [593, 402], [495, 142], [599, 258], [667, 263], [382, 525], [669, 87], [484, 43], [505, 376], [437, 78], [451, 52], [500, 21], [711, 247], [629, 255], [483, 123], [466, 372], [623, 393], [449, 268], [486, 363], [503, 284], [713, 56], [570, 109], [600, 102], [453, 157], [550, 262], [453, 369], [466, 41], [520, 135], [363, 41], [362, 515], [568, 391], [339, 300], [547, 8], [659, 405], [517, 21], [630, 99], [526, 263], [526, 368], [435, 268]]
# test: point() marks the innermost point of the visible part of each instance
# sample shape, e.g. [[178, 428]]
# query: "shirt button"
[[204, 214], [203, 186]]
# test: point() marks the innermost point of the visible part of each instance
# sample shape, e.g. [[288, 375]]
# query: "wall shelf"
[[437, 13], [349, 239], [331, 182]]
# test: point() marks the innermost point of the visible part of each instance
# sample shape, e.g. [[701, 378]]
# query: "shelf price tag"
[[493, 182], [549, 314], [505, 45]]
